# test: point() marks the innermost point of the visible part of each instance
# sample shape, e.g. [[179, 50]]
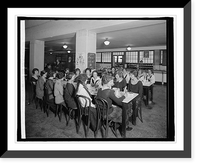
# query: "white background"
[[178, 79]]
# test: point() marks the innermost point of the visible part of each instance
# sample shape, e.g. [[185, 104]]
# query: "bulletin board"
[[92, 60]]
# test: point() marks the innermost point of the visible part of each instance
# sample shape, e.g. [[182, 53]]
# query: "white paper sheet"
[[130, 97]]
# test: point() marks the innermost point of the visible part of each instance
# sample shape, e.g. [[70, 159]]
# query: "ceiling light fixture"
[[106, 42], [128, 48], [68, 51], [65, 46]]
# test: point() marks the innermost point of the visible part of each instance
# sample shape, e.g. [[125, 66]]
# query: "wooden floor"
[[154, 125]]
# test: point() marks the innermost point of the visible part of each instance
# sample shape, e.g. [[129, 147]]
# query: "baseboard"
[[160, 83]]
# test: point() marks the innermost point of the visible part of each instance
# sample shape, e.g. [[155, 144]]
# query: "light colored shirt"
[[58, 92], [81, 91], [152, 79], [95, 81]]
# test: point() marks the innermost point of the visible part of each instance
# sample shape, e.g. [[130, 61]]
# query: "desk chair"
[[83, 111], [102, 117]]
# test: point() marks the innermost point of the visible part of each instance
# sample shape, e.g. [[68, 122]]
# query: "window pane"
[[106, 57], [98, 57], [119, 59]]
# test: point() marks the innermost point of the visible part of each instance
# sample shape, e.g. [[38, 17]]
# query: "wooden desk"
[[125, 102]]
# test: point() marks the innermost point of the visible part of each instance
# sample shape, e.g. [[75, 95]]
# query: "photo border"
[[186, 153]]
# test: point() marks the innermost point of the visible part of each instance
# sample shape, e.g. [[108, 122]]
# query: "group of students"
[[62, 86]]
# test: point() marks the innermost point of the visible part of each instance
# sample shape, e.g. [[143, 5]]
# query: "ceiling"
[[138, 33]]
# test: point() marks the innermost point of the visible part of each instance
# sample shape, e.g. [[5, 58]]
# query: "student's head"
[[70, 76], [35, 71], [48, 66], [107, 80], [77, 71], [139, 72], [60, 75], [88, 71], [94, 74], [43, 74], [113, 70], [82, 78], [144, 72], [51, 74], [150, 71], [124, 70], [119, 75], [133, 74], [66, 70]]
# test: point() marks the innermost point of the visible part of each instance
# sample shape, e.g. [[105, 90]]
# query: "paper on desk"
[[129, 97]]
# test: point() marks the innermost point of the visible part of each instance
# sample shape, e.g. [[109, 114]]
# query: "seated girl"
[[58, 89], [49, 86], [120, 81], [88, 74], [95, 80], [83, 90], [69, 92], [114, 103]]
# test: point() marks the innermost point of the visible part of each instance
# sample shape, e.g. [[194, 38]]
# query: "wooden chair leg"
[[140, 114], [60, 112], [47, 110]]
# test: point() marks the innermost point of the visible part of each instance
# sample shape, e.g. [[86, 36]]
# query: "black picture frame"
[[186, 153]]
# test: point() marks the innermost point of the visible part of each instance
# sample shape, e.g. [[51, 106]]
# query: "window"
[[131, 57], [146, 56], [161, 56], [98, 57], [118, 53], [141, 56], [119, 59], [106, 57]]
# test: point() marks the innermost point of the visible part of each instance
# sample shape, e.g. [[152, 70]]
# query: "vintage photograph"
[[97, 79]]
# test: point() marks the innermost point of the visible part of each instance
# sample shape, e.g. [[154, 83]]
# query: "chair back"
[[83, 104], [102, 113]]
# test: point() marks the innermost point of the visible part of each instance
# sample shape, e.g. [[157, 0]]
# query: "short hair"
[[81, 78], [77, 69], [134, 72], [120, 73], [42, 72], [151, 71], [69, 75], [94, 72], [87, 69], [106, 78], [50, 73], [60, 75], [35, 69]]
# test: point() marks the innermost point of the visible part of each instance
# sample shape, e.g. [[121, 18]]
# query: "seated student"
[[151, 79], [114, 103], [120, 81], [113, 71], [49, 86], [69, 92], [77, 72], [40, 85], [58, 89], [135, 86], [88, 74], [82, 90], [126, 75], [95, 80]]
